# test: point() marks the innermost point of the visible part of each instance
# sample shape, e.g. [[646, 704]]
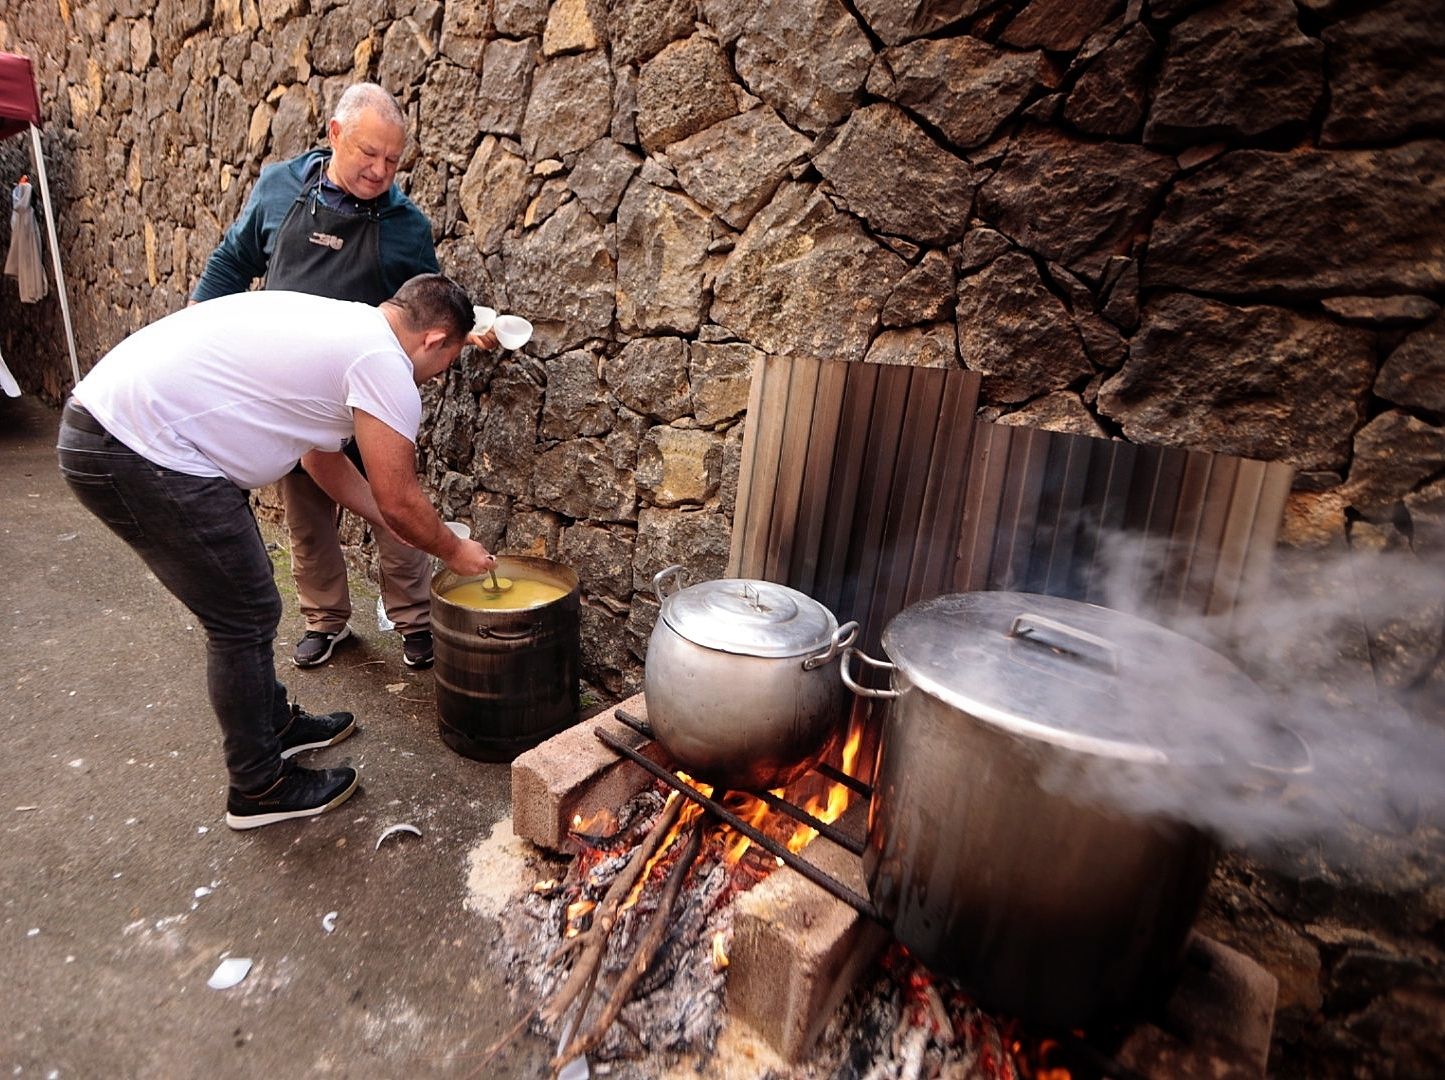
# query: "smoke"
[[1335, 747]]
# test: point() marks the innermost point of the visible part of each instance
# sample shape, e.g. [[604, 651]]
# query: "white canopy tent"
[[20, 111]]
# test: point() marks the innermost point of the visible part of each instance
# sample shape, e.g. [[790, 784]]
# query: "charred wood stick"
[[584, 968], [647, 947]]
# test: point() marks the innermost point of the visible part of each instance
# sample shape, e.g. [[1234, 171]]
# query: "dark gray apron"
[[327, 253]]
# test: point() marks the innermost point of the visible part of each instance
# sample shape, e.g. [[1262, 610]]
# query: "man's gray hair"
[[364, 97]]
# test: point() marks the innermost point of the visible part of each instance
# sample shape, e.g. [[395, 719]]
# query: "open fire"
[[627, 954]]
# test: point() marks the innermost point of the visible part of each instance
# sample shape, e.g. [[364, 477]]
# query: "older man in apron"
[[333, 223]]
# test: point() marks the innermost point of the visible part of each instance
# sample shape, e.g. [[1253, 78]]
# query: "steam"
[[1346, 652]]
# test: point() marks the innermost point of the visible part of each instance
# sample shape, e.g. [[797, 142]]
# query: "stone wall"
[[1215, 225]]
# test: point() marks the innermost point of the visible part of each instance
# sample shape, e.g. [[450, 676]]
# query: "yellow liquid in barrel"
[[524, 593]]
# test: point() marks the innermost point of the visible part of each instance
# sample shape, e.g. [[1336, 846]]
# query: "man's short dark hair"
[[435, 302]]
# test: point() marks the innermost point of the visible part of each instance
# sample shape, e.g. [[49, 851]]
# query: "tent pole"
[[54, 249]]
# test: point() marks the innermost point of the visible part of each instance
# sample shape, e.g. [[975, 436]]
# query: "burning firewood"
[[647, 947], [592, 942]]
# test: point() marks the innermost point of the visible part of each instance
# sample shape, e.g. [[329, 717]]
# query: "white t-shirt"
[[241, 386]]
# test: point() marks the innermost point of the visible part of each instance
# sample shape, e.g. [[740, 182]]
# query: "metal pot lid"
[[751, 618], [1074, 674]]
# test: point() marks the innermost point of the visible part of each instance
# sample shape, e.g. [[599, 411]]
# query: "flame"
[[757, 813], [719, 952], [1046, 1071], [1035, 1065], [601, 822], [576, 911], [830, 807]]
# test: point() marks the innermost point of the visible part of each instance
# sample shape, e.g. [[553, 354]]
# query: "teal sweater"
[[245, 251]]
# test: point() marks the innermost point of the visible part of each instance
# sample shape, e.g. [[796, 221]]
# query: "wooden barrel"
[[507, 679]]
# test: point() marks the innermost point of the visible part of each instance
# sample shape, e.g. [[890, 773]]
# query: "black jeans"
[[198, 536]]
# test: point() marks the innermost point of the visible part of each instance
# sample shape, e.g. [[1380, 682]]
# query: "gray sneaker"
[[315, 646]]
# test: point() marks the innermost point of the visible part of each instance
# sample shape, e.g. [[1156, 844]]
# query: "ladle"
[[464, 532]]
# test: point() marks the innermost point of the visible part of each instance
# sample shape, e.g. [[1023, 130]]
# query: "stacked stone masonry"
[[1214, 225]]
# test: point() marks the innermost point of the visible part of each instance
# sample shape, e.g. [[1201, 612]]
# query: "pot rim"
[[1075, 675]]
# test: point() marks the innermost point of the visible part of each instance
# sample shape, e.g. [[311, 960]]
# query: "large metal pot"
[[737, 682], [1013, 840]]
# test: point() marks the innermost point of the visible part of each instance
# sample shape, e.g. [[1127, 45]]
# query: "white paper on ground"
[[229, 972], [392, 830]]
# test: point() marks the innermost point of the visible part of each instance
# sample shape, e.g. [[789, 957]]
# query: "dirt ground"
[[121, 888]]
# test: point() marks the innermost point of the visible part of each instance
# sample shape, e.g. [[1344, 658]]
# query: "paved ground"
[[111, 828]]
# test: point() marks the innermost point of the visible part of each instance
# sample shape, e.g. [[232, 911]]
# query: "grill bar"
[[767, 843]]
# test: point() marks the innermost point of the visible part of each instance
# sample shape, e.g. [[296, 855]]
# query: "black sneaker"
[[296, 793], [315, 646], [416, 649], [306, 732]]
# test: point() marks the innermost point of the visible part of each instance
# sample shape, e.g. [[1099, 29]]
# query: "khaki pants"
[[320, 569]]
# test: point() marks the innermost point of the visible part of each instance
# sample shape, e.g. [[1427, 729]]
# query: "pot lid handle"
[[1086, 648]]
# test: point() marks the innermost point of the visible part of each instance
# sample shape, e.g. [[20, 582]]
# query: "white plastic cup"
[[483, 318], [460, 529], [512, 331]]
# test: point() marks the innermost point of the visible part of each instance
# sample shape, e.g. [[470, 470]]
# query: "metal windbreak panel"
[[792, 456], [870, 487], [916, 448], [813, 516], [941, 513], [983, 488], [1063, 498], [758, 460], [844, 485]]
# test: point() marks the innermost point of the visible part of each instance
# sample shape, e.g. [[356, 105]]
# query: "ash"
[[898, 1023], [677, 1009]]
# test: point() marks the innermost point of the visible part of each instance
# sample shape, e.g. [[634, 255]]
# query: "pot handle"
[[842, 638], [1081, 646], [863, 691], [504, 635], [659, 578]]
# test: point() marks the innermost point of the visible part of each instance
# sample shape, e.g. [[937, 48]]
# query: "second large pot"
[[997, 846], [739, 681]]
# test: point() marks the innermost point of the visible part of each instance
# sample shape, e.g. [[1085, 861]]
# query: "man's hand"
[[471, 559], [483, 341]]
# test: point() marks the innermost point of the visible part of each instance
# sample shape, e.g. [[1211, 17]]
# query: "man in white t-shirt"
[[167, 434]]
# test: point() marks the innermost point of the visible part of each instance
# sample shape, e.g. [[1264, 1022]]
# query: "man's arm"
[[238, 259], [241, 257], [391, 473], [338, 477]]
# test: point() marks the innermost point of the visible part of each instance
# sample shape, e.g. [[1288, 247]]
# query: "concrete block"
[[1217, 1023], [797, 949], [572, 774]]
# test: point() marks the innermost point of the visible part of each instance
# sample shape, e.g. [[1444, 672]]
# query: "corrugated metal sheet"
[[872, 486]]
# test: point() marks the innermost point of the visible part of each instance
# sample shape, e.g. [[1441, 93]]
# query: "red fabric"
[[19, 102]]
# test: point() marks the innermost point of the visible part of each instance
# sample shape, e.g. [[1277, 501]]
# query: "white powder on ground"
[[499, 869]]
